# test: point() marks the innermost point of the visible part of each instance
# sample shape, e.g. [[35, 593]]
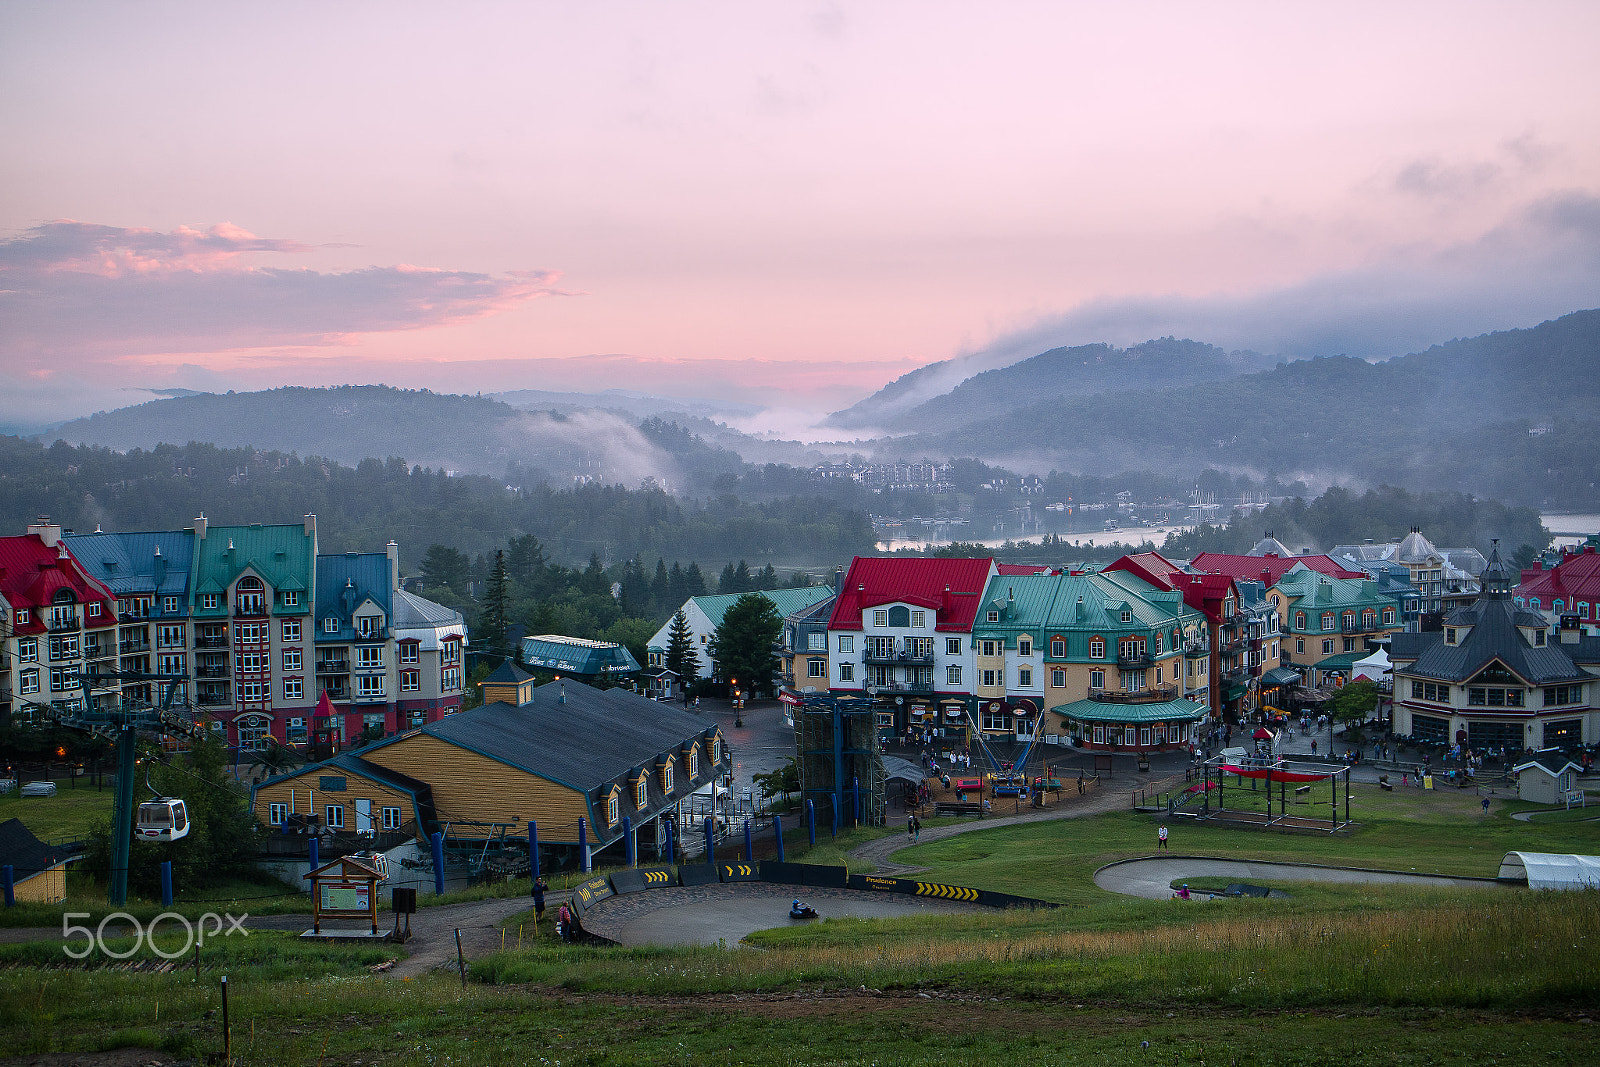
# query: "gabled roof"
[[951, 588], [27, 855], [282, 554], [787, 601], [594, 737], [1270, 545], [156, 562], [1552, 761], [1494, 636], [508, 673], [1274, 566], [346, 581], [31, 574], [1575, 578], [1205, 593]]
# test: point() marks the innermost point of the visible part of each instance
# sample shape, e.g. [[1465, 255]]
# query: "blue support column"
[[835, 831], [672, 853], [749, 853], [8, 877], [855, 793], [711, 842], [533, 851], [811, 822], [777, 834], [583, 844], [627, 834], [311, 848], [437, 840], [166, 883]]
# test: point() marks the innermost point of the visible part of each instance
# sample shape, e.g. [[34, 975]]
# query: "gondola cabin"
[[162, 820]]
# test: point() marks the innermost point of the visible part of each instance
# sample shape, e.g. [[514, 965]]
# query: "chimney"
[[200, 525], [393, 548], [47, 531], [310, 523], [158, 570]]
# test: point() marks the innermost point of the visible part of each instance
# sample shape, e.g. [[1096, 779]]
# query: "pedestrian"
[[564, 923], [916, 830], [1313, 746], [539, 886], [1486, 805], [911, 826], [1080, 782], [1161, 838]]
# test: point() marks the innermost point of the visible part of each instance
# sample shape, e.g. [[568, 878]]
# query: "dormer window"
[[1450, 635], [330, 625], [716, 750], [1538, 638], [291, 599], [694, 763], [994, 616], [640, 793], [369, 625], [613, 809], [666, 777], [1127, 616]]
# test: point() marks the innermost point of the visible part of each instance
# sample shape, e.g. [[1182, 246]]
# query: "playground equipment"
[[1010, 780]]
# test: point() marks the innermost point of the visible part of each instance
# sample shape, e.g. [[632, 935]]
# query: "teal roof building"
[[604, 662]]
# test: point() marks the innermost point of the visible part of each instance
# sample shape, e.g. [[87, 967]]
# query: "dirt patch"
[[117, 1057]]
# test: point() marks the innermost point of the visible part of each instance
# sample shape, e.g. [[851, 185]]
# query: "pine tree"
[[525, 562], [594, 580], [677, 585], [682, 656], [661, 588], [768, 578], [742, 647], [490, 635], [447, 567], [742, 582], [694, 583], [726, 582]]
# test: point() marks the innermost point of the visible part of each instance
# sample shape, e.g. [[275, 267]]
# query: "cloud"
[[78, 289]]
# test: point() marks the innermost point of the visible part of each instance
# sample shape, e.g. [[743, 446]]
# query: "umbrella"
[[1262, 734]]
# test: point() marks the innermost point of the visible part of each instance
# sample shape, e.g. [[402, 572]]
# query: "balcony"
[[901, 687], [212, 700], [211, 670], [337, 693], [61, 620], [910, 658], [1197, 649], [211, 642], [133, 645], [333, 666], [1158, 695], [1134, 658], [1353, 627]]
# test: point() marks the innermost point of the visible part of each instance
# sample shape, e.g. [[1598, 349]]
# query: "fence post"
[[166, 883], [311, 847], [777, 833], [811, 822], [749, 853], [437, 840], [711, 842]]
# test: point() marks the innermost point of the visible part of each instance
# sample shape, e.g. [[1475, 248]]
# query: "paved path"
[[1153, 876]]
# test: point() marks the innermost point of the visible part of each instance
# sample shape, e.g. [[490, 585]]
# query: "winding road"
[[1152, 877]]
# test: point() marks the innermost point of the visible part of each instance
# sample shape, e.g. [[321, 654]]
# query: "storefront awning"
[[1280, 676], [1180, 710], [1342, 662]]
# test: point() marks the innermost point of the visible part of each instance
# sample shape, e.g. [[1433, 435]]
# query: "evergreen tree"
[[742, 582], [742, 647], [725, 582], [768, 578], [594, 580], [635, 587], [799, 580], [682, 656], [490, 633], [677, 585], [694, 583], [445, 566], [661, 588], [525, 562]]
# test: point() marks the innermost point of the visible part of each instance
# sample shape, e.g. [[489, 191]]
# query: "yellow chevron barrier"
[[741, 870], [946, 892], [657, 878]]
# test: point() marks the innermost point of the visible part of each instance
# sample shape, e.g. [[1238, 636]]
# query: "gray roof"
[[1551, 761], [409, 610], [1494, 634], [1414, 548], [586, 742], [1270, 545], [26, 853]]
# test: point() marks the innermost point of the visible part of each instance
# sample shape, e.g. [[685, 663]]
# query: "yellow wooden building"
[[554, 755], [38, 872]]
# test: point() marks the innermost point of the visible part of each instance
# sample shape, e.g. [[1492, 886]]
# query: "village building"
[[1568, 588], [705, 613], [1497, 677], [1328, 623], [589, 766], [602, 663], [38, 871]]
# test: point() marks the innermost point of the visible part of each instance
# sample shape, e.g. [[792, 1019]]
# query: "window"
[[988, 678], [410, 681], [64, 647], [1327, 620], [369, 685], [252, 691], [30, 681], [94, 609], [847, 672], [816, 642], [641, 793], [63, 678], [816, 668], [716, 750], [1438, 694], [1327, 647], [391, 818], [1583, 609], [276, 813], [613, 809], [1024, 646], [1127, 616], [1563, 694], [919, 619], [1299, 620], [1025, 676], [1132, 681], [210, 601], [335, 813], [1058, 648], [1450, 635], [847, 642], [27, 648], [987, 648], [995, 720], [291, 598], [330, 625], [450, 651], [293, 689], [251, 661], [952, 646], [291, 659], [450, 679], [666, 777], [1058, 678], [1158, 675], [369, 657], [170, 663], [1097, 679], [1099, 735], [694, 763], [1300, 645], [1097, 648], [291, 630], [369, 626], [169, 635], [880, 617], [1538, 638], [993, 616], [880, 647], [1144, 735], [22, 616], [250, 597], [1349, 644], [952, 675]]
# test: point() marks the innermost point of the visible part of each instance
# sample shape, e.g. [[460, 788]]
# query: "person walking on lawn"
[[1161, 838]]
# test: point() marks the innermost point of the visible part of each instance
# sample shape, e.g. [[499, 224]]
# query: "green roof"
[[788, 601], [1342, 662], [1180, 710], [1041, 603], [283, 555], [575, 655]]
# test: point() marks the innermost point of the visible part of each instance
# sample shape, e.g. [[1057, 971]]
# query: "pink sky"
[[731, 199]]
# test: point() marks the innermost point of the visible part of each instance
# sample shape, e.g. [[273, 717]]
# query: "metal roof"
[[1494, 635], [1180, 710], [151, 562], [952, 588], [1552, 870], [787, 601], [571, 655]]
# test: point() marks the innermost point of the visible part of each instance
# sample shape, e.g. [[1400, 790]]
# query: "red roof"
[[951, 588], [31, 574], [1252, 567], [1024, 568], [1575, 579], [1203, 592]]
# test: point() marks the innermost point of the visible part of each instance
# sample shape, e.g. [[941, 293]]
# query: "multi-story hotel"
[[258, 625]]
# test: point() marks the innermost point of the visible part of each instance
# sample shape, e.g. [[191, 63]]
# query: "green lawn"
[[70, 813]]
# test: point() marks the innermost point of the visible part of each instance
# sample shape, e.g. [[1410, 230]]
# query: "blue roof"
[[128, 562], [574, 655], [344, 582]]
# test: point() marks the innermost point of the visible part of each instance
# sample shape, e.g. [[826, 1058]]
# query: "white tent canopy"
[[1375, 666], [1552, 870]]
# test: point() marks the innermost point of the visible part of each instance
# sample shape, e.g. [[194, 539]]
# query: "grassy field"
[[70, 813]]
